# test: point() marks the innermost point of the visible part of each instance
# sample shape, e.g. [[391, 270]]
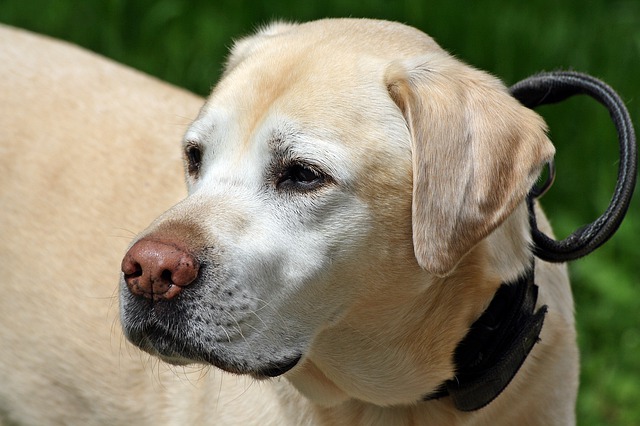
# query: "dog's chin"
[[173, 360], [277, 369], [257, 370], [274, 369]]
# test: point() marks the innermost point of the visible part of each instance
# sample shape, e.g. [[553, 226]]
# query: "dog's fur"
[[372, 267]]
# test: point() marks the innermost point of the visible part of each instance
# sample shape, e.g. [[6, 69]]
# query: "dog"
[[356, 201]]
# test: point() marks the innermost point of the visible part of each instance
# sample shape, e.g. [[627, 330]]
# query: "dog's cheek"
[[291, 253], [388, 196]]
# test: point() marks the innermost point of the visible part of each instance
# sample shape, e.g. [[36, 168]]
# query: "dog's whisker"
[[248, 383], [254, 313], [275, 311], [225, 332], [254, 328], [129, 232]]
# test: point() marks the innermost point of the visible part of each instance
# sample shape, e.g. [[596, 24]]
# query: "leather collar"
[[496, 345]]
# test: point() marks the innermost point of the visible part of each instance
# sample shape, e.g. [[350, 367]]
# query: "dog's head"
[[338, 175]]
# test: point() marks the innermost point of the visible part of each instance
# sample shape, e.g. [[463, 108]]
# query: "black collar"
[[496, 345]]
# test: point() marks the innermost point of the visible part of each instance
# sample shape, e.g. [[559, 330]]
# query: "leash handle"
[[553, 87]]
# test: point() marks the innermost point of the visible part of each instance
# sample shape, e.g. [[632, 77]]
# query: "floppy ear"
[[476, 153]]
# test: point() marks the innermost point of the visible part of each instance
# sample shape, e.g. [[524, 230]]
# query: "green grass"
[[186, 42]]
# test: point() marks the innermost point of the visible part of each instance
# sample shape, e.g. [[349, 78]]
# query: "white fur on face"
[[281, 264], [275, 258]]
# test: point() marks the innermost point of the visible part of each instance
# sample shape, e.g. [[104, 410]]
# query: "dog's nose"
[[158, 269]]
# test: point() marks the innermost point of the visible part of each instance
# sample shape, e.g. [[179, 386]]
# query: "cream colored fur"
[[374, 276]]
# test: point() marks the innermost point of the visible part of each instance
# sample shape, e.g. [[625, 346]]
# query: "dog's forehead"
[[325, 55], [329, 82], [311, 88]]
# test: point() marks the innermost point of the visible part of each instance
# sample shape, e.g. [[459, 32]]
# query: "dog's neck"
[[399, 347], [395, 344], [509, 246]]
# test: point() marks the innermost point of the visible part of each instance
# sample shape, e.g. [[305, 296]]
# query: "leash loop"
[[539, 190], [553, 87]]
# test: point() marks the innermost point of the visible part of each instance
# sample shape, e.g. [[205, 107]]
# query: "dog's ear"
[[476, 153], [244, 47]]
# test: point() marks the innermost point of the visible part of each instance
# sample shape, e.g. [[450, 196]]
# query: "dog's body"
[[356, 197]]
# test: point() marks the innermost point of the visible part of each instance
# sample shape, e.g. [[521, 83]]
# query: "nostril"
[[165, 276], [131, 270]]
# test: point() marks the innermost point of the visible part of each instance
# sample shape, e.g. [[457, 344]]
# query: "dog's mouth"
[[167, 352], [180, 339], [279, 368]]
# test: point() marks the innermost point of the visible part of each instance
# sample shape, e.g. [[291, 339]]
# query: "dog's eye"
[[193, 155], [301, 177]]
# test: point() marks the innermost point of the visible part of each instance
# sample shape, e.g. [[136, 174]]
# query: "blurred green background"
[[185, 43]]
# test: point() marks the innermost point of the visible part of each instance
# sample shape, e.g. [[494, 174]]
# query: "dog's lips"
[[278, 369], [172, 349], [273, 369]]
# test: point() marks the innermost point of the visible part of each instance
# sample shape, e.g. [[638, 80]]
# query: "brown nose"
[[158, 269]]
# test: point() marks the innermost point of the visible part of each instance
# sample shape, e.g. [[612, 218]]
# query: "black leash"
[[498, 343], [553, 87]]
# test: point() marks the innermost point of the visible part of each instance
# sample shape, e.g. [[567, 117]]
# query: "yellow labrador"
[[356, 199]]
